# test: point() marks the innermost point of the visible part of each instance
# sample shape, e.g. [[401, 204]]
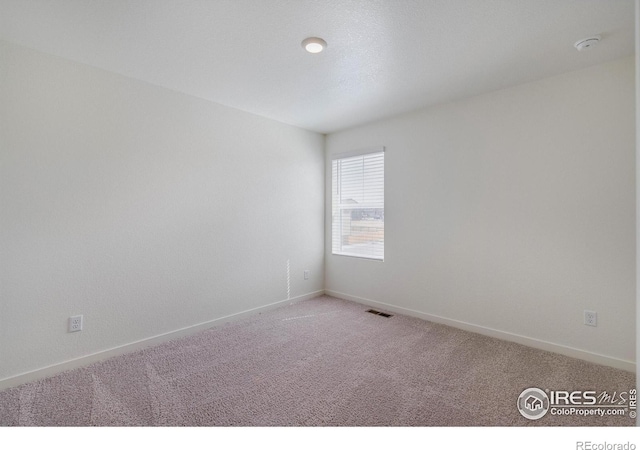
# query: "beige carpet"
[[321, 362]]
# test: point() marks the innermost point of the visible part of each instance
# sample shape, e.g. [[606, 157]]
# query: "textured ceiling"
[[383, 57]]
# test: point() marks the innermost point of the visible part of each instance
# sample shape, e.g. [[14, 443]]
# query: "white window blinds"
[[357, 205]]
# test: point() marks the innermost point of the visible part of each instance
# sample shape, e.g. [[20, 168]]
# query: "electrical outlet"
[[306, 274], [75, 324], [590, 318]]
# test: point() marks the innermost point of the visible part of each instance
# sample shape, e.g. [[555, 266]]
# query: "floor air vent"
[[378, 313]]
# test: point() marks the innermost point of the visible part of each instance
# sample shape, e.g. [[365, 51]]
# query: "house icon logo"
[[533, 403]]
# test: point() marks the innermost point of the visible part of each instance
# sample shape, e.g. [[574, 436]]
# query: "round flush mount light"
[[587, 43], [314, 44]]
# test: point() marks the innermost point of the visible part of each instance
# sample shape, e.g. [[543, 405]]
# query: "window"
[[357, 204]]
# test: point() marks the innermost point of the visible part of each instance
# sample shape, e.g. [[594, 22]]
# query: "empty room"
[[338, 213]]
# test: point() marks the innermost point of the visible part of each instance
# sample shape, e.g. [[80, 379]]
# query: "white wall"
[[511, 212], [141, 208]]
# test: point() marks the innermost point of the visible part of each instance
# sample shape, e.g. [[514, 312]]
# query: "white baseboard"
[[54, 369], [629, 366], [158, 339]]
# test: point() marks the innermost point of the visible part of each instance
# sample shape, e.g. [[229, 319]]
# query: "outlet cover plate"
[[75, 324], [590, 318]]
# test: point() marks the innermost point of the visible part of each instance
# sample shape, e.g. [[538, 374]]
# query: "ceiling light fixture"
[[584, 44], [314, 44]]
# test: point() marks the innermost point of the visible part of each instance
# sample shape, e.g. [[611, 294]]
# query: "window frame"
[[336, 208]]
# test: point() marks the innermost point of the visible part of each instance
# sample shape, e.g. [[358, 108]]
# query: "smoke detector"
[[587, 43]]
